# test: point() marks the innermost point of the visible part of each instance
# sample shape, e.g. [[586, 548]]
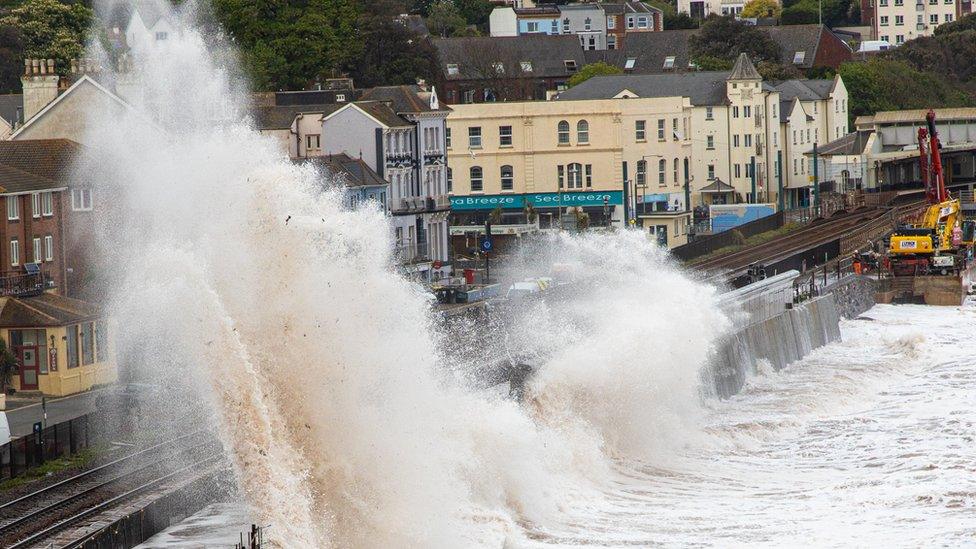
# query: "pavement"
[[21, 416]]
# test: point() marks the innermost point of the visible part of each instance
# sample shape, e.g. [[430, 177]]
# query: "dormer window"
[[340, 97], [570, 65], [452, 69], [162, 36], [587, 24], [566, 25], [669, 62], [629, 64], [526, 66], [498, 67], [798, 57]]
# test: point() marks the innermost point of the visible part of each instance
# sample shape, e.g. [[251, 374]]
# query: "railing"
[[21, 284], [420, 204], [711, 243], [412, 252], [61, 439]]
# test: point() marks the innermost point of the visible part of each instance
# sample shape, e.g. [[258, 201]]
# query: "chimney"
[[40, 82]]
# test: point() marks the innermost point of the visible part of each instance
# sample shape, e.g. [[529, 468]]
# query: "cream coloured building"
[[897, 21], [577, 156]]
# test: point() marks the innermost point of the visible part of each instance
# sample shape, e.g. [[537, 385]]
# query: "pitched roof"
[[44, 310], [383, 113], [355, 172], [403, 99], [474, 55], [717, 186], [281, 118], [703, 88], [804, 90], [9, 107], [51, 159], [649, 51], [849, 145], [796, 38], [744, 69], [15, 181]]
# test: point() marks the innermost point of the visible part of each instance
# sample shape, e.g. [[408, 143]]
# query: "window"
[[710, 142], [641, 172], [161, 36], [808, 135], [562, 131], [669, 62], [13, 208], [575, 172], [798, 57], [498, 67], [660, 129], [447, 137], [611, 22], [711, 172], [640, 130], [662, 167], [474, 137], [508, 178], [87, 343], [587, 24], [582, 131], [642, 22], [14, 252], [735, 112], [589, 175], [505, 136], [526, 66], [737, 170], [532, 26], [899, 39], [312, 142], [709, 115], [795, 169], [570, 65], [747, 140], [883, 21], [37, 250], [566, 25], [47, 204], [73, 346], [948, 18], [477, 179], [629, 64], [555, 26], [101, 340], [774, 110], [48, 248], [611, 41], [36, 205], [340, 98], [675, 171], [899, 20], [560, 175], [450, 180], [934, 19], [81, 199], [452, 69]]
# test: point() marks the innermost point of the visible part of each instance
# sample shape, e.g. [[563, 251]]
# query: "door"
[[29, 368]]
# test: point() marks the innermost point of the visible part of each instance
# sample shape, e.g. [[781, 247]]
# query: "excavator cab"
[[912, 240]]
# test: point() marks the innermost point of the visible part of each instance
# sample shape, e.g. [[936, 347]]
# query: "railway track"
[[38, 516]]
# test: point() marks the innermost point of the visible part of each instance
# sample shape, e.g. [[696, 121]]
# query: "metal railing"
[[412, 252], [21, 284], [61, 439]]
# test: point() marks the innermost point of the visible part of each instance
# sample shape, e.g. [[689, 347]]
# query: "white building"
[[147, 25], [896, 21]]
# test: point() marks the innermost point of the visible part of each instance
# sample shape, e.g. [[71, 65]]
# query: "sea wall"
[[853, 294], [778, 339]]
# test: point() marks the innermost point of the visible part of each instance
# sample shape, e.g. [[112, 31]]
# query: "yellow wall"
[[66, 381]]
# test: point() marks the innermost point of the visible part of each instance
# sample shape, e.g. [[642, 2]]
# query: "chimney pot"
[[74, 66], [50, 66], [27, 67], [36, 66]]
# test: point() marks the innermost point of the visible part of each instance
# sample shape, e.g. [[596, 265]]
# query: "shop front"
[[602, 208]]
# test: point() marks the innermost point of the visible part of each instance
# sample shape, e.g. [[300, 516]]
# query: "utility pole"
[[687, 188], [816, 178], [779, 178], [626, 197], [752, 172]]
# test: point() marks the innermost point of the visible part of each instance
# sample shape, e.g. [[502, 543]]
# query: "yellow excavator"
[[940, 241]]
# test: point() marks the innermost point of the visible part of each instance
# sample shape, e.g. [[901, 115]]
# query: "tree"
[[762, 8], [885, 84], [725, 38], [286, 45], [475, 12], [51, 30], [589, 71], [777, 71], [445, 20], [964, 23], [679, 21], [710, 63], [11, 59], [392, 54]]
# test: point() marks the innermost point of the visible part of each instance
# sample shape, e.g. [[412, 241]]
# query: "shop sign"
[[539, 200]]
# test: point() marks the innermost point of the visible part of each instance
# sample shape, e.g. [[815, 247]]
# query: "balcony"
[[24, 283], [421, 204], [400, 161], [434, 158]]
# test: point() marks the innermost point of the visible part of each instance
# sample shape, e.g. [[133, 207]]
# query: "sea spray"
[[241, 280]]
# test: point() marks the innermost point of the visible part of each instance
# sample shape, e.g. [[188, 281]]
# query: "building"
[[400, 133], [360, 183], [700, 9], [532, 160], [803, 46], [736, 122], [297, 128], [147, 24], [479, 69], [896, 21], [598, 26], [11, 113], [63, 346]]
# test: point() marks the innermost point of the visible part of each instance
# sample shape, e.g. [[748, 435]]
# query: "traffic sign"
[[486, 244]]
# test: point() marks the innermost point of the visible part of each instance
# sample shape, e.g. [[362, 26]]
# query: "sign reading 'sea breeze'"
[[539, 200]]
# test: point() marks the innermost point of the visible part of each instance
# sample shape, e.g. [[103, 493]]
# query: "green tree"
[[11, 59], [8, 366], [711, 63], [392, 54], [725, 38], [679, 21], [964, 23], [589, 71], [885, 84], [777, 71], [762, 8], [286, 45], [475, 12], [445, 19], [51, 30]]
